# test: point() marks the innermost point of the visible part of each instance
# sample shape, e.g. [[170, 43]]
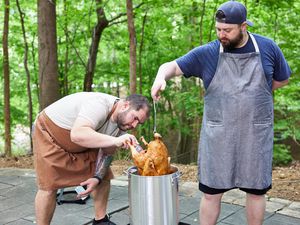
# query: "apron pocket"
[[263, 146], [213, 154], [263, 136], [214, 123], [262, 123], [215, 138], [263, 108]]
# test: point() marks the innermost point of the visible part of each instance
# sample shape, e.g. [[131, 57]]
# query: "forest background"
[[54, 48]]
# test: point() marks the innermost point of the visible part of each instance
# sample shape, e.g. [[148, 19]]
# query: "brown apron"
[[58, 161]]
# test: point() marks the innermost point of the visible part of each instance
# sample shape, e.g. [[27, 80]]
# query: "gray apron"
[[236, 140]]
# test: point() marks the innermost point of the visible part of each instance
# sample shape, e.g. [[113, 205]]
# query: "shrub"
[[281, 155]]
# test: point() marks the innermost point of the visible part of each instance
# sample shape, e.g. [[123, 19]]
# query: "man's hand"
[[91, 184], [165, 72], [158, 86], [122, 140]]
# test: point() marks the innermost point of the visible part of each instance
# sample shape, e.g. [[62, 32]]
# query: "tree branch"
[[117, 22], [110, 22], [73, 46]]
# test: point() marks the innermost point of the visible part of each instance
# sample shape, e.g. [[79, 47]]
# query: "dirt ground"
[[286, 180]]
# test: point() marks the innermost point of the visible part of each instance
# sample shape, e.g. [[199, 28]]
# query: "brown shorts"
[[58, 161]]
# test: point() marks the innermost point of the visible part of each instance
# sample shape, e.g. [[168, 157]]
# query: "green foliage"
[[287, 107], [281, 155], [122, 154], [171, 29]]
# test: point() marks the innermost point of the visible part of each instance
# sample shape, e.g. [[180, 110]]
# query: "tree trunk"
[[212, 24], [185, 152], [7, 135], [201, 22], [132, 40], [66, 66], [102, 23], [140, 53], [35, 69], [22, 15], [48, 68], [185, 147]]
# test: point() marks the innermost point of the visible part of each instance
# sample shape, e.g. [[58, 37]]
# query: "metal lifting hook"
[[154, 119]]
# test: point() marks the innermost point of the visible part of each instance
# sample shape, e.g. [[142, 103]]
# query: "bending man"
[[74, 139]]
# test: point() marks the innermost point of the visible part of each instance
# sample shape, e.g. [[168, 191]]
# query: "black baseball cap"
[[232, 12]]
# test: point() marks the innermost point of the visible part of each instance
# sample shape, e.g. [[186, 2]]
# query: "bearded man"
[[74, 139], [239, 71]]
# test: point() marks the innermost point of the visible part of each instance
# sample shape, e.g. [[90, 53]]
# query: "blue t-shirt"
[[202, 61]]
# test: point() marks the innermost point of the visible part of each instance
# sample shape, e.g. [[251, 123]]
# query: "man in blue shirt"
[[239, 71]]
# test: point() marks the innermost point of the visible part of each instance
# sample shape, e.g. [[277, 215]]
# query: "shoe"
[[105, 222]]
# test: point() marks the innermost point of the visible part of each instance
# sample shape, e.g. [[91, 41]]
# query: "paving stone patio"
[[17, 191]]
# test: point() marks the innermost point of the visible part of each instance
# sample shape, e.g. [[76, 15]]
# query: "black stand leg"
[[180, 223]]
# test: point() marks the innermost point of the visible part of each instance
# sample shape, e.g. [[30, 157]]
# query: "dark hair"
[[138, 102]]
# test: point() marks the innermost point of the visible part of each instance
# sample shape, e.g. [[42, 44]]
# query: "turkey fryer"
[[153, 200]]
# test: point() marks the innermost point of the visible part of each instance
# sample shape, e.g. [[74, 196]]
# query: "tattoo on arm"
[[102, 164]]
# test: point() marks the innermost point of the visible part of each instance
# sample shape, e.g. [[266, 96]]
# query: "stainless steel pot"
[[153, 200]]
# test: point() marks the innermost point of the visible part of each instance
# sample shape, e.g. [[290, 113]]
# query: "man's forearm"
[[279, 84], [87, 137], [102, 164], [165, 72], [168, 70]]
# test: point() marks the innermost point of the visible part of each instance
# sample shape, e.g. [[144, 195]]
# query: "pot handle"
[[132, 169], [176, 177]]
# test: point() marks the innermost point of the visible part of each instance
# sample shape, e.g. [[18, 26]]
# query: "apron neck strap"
[[253, 41], [110, 113]]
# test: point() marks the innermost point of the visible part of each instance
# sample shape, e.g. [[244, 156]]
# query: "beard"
[[231, 44], [121, 118]]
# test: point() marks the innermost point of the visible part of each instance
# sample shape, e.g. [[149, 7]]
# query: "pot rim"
[[131, 171]]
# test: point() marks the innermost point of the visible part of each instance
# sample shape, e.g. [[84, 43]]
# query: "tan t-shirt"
[[93, 106]]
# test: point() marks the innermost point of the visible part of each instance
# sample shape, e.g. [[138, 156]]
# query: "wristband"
[[98, 178]]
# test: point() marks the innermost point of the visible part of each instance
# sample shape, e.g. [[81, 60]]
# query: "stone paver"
[[17, 191]]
